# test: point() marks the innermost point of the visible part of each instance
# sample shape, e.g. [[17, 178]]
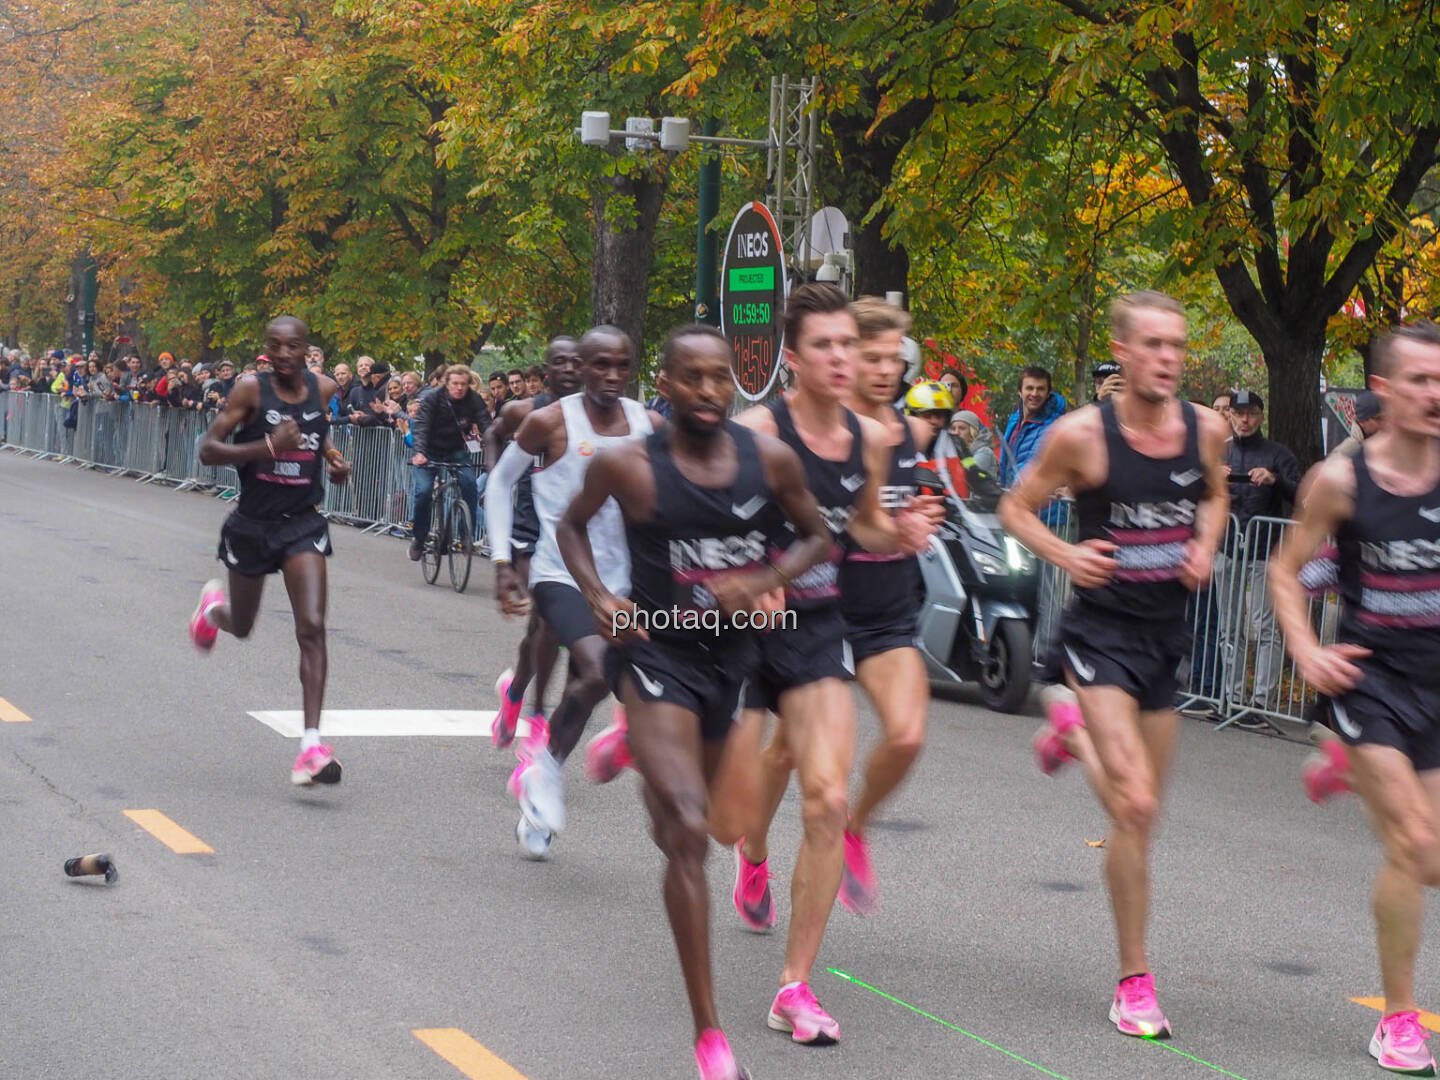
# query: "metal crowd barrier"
[[155, 443], [1239, 667]]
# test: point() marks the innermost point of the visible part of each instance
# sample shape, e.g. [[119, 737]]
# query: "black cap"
[[379, 368], [1105, 370], [1367, 406], [1247, 399]]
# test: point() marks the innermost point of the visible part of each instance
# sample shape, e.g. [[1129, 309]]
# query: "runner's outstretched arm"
[[500, 501], [1329, 501]]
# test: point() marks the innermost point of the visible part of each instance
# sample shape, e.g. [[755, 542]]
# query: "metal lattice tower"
[[790, 168]]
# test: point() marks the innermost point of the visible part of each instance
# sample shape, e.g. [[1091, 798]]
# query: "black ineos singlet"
[[1147, 508], [884, 588], [698, 533], [835, 485], [1389, 554], [289, 484]]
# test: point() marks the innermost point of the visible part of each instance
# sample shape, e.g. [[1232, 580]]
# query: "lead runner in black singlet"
[[539, 647], [881, 597], [1382, 506], [282, 440], [803, 671], [700, 498], [1150, 496]]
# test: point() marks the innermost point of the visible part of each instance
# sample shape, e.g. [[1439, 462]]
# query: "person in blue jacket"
[[1040, 406]]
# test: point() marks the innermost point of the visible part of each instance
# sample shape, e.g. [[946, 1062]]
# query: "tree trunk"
[[75, 305], [208, 353], [1086, 326], [627, 209], [1292, 415], [129, 313], [434, 358], [867, 163]]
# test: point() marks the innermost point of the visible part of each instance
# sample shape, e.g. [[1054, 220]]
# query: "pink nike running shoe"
[[1135, 1010], [859, 888], [315, 766], [714, 1059], [795, 1010], [1323, 774], [1399, 1045], [507, 713], [1050, 752], [752, 892], [608, 754], [202, 631]]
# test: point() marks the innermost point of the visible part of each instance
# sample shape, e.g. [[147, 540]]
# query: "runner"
[[567, 433], [280, 426], [881, 596], [1150, 501], [720, 485], [803, 673], [1382, 506], [538, 648]]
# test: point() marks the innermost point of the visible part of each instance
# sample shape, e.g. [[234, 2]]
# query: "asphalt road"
[[327, 926]]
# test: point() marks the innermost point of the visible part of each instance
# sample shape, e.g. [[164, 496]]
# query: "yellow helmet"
[[929, 397]]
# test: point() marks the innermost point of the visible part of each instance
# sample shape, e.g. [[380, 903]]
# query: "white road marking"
[[395, 723]]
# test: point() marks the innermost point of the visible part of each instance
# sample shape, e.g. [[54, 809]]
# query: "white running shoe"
[[542, 793], [534, 844]]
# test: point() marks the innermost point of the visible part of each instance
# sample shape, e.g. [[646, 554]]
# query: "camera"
[[1105, 370]]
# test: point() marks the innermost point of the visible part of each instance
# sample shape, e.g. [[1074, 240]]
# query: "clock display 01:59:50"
[[749, 314]]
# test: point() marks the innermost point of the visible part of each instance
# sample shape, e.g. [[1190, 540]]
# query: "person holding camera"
[[1107, 380]]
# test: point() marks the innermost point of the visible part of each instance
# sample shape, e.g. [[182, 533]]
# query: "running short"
[[563, 607], [869, 638], [1142, 659], [816, 649], [1387, 709], [255, 548], [709, 682]]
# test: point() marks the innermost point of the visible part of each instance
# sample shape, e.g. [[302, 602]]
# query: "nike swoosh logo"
[[746, 510], [847, 657], [853, 483], [1430, 514], [908, 463], [653, 688], [320, 544], [310, 416], [1185, 479], [1348, 726], [230, 555], [1083, 670]]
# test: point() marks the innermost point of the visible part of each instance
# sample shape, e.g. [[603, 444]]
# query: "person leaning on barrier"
[[1367, 419], [1263, 479], [368, 389]]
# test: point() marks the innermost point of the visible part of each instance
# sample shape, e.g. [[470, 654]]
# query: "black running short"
[[869, 638], [255, 548], [816, 649], [708, 681], [1389, 709], [565, 610], [1139, 658]]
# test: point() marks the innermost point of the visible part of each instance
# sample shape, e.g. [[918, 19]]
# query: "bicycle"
[[452, 529]]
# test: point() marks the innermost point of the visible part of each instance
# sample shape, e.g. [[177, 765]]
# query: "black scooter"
[[981, 594]]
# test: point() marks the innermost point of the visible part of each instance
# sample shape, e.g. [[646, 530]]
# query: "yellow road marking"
[[1427, 1019], [466, 1054], [10, 714], [168, 833]]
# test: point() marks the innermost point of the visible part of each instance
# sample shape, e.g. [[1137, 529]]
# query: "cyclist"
[[446, 428]]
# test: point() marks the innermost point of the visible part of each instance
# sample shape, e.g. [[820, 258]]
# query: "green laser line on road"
[[1198, 1061], [986, 1042], [943, 1023]]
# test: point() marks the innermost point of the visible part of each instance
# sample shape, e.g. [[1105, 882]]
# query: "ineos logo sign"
[[755, 245], [273, 418], [752, 299]]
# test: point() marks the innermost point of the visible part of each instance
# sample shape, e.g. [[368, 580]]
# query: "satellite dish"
[[829, 235]]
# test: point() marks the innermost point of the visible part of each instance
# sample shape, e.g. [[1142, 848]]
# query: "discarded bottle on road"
[[90, 865]]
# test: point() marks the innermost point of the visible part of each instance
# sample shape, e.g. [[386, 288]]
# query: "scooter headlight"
[[1018, 556], [989, 565]]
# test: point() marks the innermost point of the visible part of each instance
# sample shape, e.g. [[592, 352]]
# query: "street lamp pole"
[[707, 286]]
